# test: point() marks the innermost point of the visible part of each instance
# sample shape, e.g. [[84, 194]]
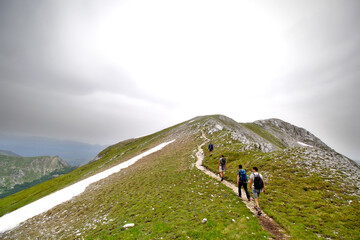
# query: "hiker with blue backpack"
[[242, 182], [257, 185]]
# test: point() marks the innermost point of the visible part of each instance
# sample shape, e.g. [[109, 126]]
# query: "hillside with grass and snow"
[[312, 191]]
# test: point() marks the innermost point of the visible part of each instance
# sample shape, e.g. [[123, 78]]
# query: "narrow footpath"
[[266, 222]]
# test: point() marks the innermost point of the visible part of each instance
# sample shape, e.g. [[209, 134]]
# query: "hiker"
[[257, 184], [211, 148], [242, 182], [222, 166]]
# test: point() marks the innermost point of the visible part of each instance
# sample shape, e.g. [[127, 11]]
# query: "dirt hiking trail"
[[266, 222]]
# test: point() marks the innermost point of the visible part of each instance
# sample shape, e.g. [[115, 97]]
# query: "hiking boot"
[[222, 179], [259, 212], [249, 199]]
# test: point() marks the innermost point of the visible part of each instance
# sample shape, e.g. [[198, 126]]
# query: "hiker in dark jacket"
[[211, 148], [222, 166], [242, 181]]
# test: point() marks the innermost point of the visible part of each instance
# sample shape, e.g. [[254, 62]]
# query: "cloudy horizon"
[[104, 71]]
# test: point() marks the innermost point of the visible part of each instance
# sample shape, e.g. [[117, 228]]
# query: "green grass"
[[19, 187], [304, 204], [163, 194], [174, 200], [264, 134], [110, 156], [167, 197]]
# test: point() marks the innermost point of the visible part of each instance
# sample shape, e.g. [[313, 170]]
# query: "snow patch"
[[304, 144], [216, 128], [219, 127], [11, 220]]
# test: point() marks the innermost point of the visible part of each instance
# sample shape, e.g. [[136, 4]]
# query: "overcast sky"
[[104, 71]]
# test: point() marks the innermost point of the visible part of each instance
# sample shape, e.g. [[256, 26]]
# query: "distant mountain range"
[[75, 153], [18, 173], [9, 153]]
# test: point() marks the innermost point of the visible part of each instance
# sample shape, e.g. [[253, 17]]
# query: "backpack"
[[258, 182], [223, 161], [242, 175], [211, 147]]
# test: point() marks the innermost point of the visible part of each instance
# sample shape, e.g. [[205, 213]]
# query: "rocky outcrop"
[[290, 135], [238, 132], [18, 170]]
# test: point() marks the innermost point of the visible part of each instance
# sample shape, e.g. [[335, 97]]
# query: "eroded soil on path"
[[266, 222]]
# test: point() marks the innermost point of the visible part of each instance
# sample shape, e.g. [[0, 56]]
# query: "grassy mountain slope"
[[265, 134], [163, 194], [311, 192], [109, 157]]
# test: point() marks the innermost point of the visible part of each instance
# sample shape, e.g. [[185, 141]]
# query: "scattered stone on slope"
[[129, 225], [327, 164]]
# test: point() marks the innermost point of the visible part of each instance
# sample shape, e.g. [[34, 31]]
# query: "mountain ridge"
[[75, 153], [310, 190], [9, 153], [292, 130]]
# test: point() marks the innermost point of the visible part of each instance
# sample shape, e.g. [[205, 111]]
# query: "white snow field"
[[304, 144], [13, 219]]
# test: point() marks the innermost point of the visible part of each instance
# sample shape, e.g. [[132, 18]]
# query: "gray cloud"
[[31, 53], [319, 89], [53, 84], [42, 94]]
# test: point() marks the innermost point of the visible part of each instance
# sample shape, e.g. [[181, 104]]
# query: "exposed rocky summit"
[[290, 135]]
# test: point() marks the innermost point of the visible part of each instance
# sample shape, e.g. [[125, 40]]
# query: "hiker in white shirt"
[[257, 185]]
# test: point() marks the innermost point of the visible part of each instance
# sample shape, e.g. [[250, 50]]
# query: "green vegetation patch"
[[307, 205], [264, 134], [19, 187], [163, 194], [109, 157]]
